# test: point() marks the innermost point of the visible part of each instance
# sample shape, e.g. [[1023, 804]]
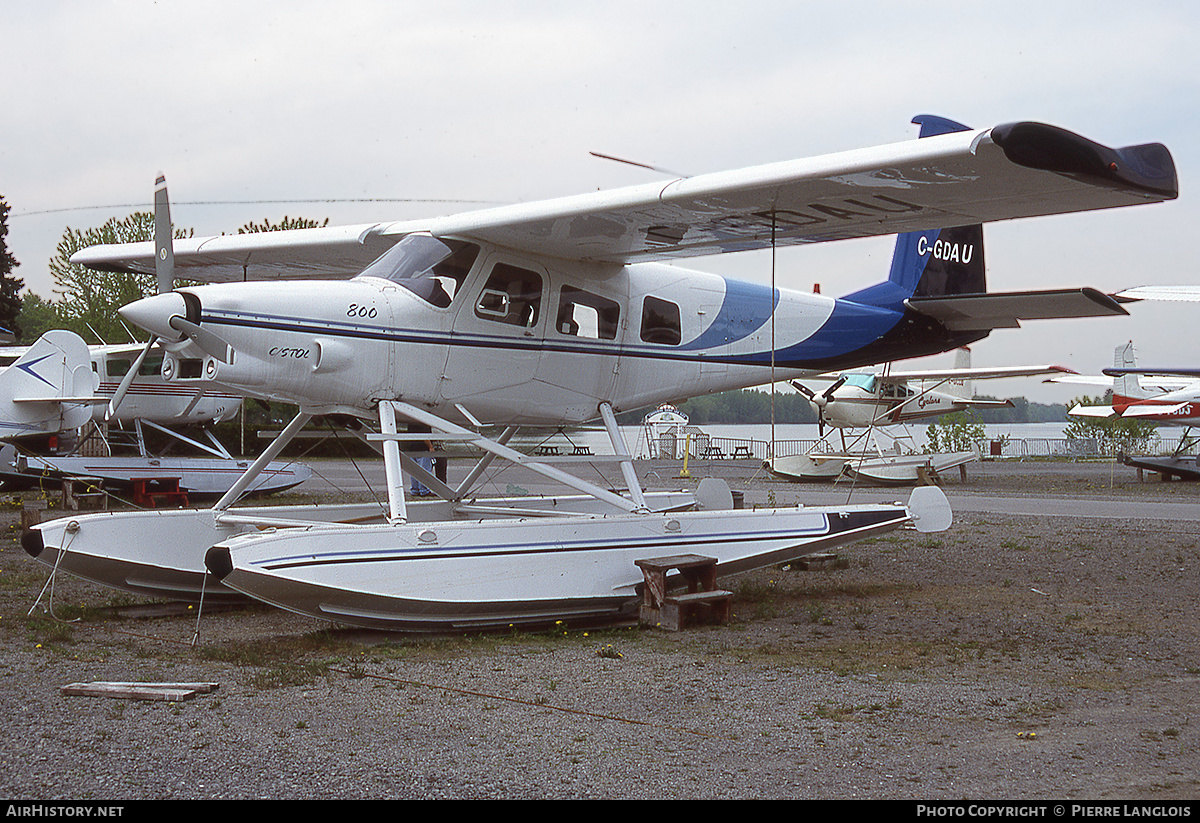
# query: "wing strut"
[[622, 450]]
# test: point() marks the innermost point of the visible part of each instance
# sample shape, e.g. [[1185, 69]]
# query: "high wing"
[[952, 374], [971, 374], [1185, 294], [1005, 172], [1167, 372]]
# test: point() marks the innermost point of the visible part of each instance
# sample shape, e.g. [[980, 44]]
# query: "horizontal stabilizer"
[[978, 312], [93, 399], [1167, 372], [1154, 410], [987, 404], [1092, 411]]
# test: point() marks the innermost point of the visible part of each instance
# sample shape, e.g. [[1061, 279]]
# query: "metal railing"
[[705, 447]]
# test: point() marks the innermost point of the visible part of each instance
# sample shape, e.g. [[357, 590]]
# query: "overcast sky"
[[501, 102]]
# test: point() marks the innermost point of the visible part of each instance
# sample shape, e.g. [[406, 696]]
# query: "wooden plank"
[[173, 692], [678, 561], [698, 597]]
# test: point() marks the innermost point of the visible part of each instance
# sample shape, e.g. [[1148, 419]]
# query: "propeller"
[[164, 270], [819, 400], [164, 245], [209, 342], [127, 380]]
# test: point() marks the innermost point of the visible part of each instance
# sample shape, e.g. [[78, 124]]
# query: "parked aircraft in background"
[[1179, 406], [880, 397], [81, 381], [869, 410], [51, 391]]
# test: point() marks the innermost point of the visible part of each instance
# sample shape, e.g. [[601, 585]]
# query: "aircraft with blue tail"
[[567, 311]]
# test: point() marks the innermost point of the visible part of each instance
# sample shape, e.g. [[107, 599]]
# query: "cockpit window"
[[866, 382], [432, 269]]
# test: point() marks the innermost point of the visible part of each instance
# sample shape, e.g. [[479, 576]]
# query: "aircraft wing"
[[972, 374], [1001, 173], [1186, 294]]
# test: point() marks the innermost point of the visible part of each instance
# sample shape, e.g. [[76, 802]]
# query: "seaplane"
[[1178, 405], [1167, 396], [562, 312], [60, 387], [869, 410]]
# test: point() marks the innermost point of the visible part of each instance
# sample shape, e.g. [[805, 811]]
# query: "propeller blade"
[[209, 343], [803, 389], [164, 246], [127, 381], [837, 384]]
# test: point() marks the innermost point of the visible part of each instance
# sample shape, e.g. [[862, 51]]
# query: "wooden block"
[[699, 597], [173, 692]]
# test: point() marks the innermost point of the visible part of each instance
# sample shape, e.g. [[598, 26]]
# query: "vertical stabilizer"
[[932, 263], [961, 387], [1127, 385], [945, 261], [50, 388]]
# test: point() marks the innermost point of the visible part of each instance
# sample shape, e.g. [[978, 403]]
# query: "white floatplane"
[[61, 391], [559, 313], [875, 406]]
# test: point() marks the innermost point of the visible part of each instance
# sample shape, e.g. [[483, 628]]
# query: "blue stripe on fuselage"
[[850, 327], [746, 308]]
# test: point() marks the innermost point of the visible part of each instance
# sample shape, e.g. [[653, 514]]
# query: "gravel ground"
[[1012, 657]]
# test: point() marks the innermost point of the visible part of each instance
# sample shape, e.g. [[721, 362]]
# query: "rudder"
[[1127, 385], [48, 389]]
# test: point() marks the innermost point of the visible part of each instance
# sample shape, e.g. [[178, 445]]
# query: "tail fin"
[[961, 387], [936, 263], [50, 388], [1127, 385], [932, 263]]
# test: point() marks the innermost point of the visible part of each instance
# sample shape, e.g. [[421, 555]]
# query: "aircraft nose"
[[154, 314]]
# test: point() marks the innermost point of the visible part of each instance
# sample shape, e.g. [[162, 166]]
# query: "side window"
[[119, 366], [583, 314], [116, 367], [511, 295], [151, 367], [660, 322]]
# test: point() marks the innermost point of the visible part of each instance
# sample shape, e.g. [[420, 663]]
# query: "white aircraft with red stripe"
[[1132, 399]]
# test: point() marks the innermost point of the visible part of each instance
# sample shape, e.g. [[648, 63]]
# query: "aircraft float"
[[561, 312], [872, 404]]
